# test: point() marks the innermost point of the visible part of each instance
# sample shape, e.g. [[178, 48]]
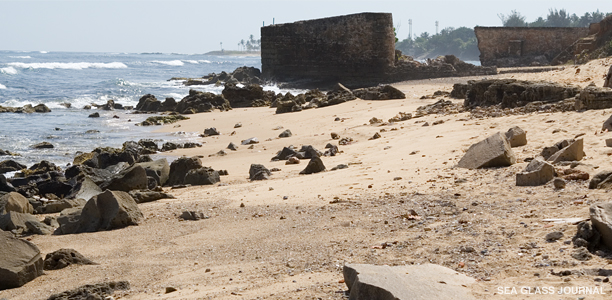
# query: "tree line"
[[462, 42], [250, 45]]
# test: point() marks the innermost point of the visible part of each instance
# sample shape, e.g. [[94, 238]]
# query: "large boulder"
[[202, 176], [180, 167], [537, 172], [593, 97], [5, 186], [15, 202], [107, 211], [158, 169], [384, 92], [148, 102], [601, 217], [134, 178], [84, 189], [20, 261], [494, 151], [601, 180], [23, 223], [411, 282], [572, 152]]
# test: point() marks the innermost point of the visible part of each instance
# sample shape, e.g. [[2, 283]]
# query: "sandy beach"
[[288, 237]]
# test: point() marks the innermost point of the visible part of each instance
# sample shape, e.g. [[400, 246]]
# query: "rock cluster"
[[28, 109]]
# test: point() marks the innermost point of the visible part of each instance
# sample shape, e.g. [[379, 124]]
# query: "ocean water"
[[54, 78]]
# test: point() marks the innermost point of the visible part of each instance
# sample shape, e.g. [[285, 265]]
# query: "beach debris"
[[190, 215], [62, 258], [259, 172], [250, 141], [285, 134], [21, 261], [494, 151], [516, 136], [315, 165], [210, 132], [537, 172]]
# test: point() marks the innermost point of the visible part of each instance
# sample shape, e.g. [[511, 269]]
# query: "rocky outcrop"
[[197, 102], [495, 151], [201, 176], [315, 165], [244, 75], [23, 224], [251, 95], [158, 170], [10, 166], [189, 170], [28, 109], [92, 291], [510, 93], [15, 202], [20, 261], [592, 97], [133, 178], [385, 92], [608, 80]]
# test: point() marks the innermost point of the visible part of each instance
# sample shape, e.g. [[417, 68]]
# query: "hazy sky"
[[200, 26]]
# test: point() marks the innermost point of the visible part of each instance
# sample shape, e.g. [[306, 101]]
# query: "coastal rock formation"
[[201, 176], [251, 95], [244, 75], [405, 282], [592, 97], [385, 92], [11, 166], [158, 170], [494, 151], [28, 109], [197, 102], [15, 202], [23, 223], [189, 170], [513, 93], [92, 291], [20, 261]]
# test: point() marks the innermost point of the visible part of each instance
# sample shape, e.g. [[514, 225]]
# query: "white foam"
[[8, 71], [195, 62], [204, 61], [70, 66], [176, 63], [2, 87], [44, 52], [26, 56]]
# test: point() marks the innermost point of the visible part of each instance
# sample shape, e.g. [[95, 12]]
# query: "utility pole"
[[410, 29], [221, 46], [437, 23]]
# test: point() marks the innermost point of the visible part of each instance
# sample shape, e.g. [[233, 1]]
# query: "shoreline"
[[233, 53], [289, 236]]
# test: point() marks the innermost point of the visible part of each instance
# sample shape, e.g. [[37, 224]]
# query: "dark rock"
[[4, 185], [459, 91], [11, 166], [232, 147], [23, 223], [20, 261], [168, 146], [211, 131], [285, 134], [559, 183], [332, 150], [554, 236], [41, 108], [582, 254], [197, 102], [223, 172], [148, 144], [608, 80], [315, 165], [516, 136], [285, 154], [308, 151], [159, 170], [179, 169], [42, 145], [149, 196], [161, 120], [335, 136], [202, 176], [94, 115], [7, 153], [64, 257], [592, 97], [601, 180], [134, 178], [148, 102], [385, 92], [248, 96], [98, 291], [587, 236], [376, 136], [84, 189], [193, 216], [537, 172], [52, 207], [258, 172], [339, 167], [494, 151]]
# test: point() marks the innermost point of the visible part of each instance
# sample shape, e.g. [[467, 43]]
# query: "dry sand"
[[295, 232]]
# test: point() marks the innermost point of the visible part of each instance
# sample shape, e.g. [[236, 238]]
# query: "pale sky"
[[199, 26]]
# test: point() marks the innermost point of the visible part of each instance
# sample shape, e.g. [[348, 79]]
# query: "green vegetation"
[[555, 18], [460, 42]]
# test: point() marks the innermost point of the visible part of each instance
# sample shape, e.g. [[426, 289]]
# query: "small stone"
[[232, 147], [211, 131], [397, 178], [554, 236], [559, 183], [285, 197], [285, 134], [170, 289], [335, 136], [250, 141], [376, 136], [238, 125], [241, 204], [292, 161], [94, 115], [340, 166], [582, 254]]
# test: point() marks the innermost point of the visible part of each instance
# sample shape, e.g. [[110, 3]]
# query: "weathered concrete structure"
[[356, 50], [343, 48], [524, 46]]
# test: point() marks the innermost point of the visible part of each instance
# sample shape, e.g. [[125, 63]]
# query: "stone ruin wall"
[[356, 49], [524, 46]]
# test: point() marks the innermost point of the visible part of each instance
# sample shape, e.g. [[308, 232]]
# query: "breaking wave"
[[8, 71], [2, 87], [70, 66], [176, 63]]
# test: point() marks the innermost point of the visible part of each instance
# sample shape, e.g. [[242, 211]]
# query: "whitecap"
[[2, 87], [8, 71], [71, 66], [204, 61], [195, 62], [44, 52], [26, 56], [176, 63]]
